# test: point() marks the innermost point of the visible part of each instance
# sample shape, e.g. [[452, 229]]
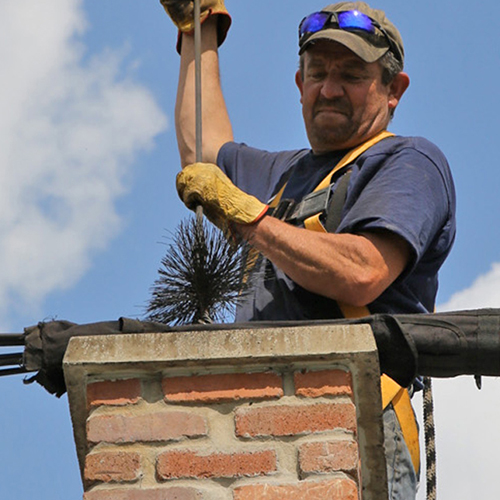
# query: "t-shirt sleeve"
[[256, 171], [410, 195]]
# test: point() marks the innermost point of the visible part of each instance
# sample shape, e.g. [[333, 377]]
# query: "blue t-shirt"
[[401, 184]]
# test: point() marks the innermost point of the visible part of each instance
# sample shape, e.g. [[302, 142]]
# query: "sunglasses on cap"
[[349, 20]]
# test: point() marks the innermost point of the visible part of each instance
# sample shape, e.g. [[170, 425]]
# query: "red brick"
[[113, 466], [223, 388], [188, 464], [116, 393], [176, 493], [323, 383], [292, 420], [325, 457], [151, 427], [337, 489]]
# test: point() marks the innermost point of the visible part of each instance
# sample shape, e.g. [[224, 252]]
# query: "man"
[[396, 221]]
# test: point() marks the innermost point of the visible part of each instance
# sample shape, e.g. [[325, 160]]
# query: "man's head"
[[365, 31], [351, 66]]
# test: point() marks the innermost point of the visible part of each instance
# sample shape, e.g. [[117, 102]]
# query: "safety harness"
[[308, 212]]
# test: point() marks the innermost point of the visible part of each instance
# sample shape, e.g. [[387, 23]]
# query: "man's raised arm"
[[216, 126]]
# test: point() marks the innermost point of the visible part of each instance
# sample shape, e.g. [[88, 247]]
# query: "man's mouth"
[[337, 106], [330, 110]]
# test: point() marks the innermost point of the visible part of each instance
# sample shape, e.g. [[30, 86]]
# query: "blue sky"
[[87, 169]]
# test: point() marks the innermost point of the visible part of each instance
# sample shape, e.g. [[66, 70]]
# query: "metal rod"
[[197, 78], [11, 359], [198, 116], [197, 91], [13, 371], [11, 339]]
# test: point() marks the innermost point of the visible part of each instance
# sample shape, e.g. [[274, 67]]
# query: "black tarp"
[[436, 345]]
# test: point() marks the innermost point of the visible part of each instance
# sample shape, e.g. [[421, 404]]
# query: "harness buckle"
[[295, 213], [283, 209], [312, 204]]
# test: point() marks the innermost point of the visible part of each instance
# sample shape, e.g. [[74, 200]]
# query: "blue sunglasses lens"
[[347, 20], [353, 19], [314, 23]]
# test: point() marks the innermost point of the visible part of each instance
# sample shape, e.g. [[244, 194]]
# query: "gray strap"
[[336, 204], [312, 204]]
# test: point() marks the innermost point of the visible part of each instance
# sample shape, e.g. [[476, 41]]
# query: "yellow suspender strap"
[[348, 158], [274, 202], [400, 399], [391, 391], [313, 222]]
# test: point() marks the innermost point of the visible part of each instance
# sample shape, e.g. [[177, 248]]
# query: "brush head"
[[201, 279]]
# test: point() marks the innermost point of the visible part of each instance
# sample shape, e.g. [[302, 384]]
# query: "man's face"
[[344, 102]]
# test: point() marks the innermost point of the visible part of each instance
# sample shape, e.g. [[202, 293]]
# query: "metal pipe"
[[197, 90], [11, 359], [197, 79], [13, 371], [198, 115], [12, 339]]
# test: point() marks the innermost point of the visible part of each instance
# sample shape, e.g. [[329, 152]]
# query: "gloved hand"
[[182, 14], [205, 184]]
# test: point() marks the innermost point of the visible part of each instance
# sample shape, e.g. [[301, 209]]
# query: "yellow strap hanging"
[[391, 391], [400, 399]]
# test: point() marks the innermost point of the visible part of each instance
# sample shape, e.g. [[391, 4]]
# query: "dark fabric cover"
[[46, 344], [436, 345]]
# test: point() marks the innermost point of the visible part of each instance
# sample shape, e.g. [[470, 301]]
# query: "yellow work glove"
[[182, 14], [205, 184]]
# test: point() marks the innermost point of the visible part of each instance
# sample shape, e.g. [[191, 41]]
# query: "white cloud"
[[69, 132], [467, 419], [483, 293], [467, 435]]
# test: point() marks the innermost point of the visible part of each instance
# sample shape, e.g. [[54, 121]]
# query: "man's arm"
[[354, 269], [216, 125]]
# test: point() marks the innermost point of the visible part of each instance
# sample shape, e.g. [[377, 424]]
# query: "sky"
[[87, 199]]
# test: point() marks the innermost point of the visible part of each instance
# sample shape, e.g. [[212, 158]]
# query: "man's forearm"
[[216, 125], [354, 269]]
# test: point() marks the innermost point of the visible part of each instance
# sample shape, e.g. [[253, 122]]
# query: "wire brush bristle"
[[202, 277]]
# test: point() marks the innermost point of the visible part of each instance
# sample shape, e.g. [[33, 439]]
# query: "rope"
[[430, 440]]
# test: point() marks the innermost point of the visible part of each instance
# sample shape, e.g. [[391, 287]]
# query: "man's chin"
[[327, 137], [334, 121]]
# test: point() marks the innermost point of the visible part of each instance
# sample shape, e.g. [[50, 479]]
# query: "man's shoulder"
[[413, 162], [256, 171], [241, 149], [414, 144]]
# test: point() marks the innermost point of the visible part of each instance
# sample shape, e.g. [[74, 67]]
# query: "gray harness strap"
[[322, 201]]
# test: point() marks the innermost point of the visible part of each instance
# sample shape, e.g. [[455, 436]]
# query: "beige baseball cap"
[[365, 31]]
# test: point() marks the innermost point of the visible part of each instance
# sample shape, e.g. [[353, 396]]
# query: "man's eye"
[[352, 77], [317, 75]]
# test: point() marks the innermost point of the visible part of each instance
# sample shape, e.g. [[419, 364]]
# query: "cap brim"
[[368, 52]]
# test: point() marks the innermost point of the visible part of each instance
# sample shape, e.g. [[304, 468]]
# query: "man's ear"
[[300, 83], [397, 88]]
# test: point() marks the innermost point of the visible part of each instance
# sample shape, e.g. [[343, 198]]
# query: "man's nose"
[[332, 87]]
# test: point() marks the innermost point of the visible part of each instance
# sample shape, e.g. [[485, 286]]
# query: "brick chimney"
[[262, 414]]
